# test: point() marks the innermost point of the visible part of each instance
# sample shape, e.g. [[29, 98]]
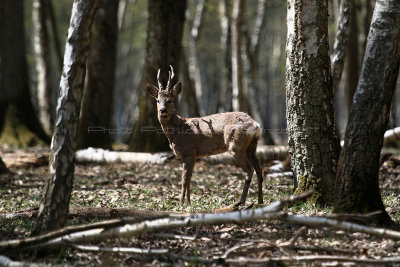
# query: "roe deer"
[[192, 138]]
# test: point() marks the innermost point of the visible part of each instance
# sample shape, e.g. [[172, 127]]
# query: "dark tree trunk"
[[339, 51], [54, 34], [96, 119], [358, 188], [352, 62], [53, 209], [18, 122], [163, 48], [313, 144], [42, 52]]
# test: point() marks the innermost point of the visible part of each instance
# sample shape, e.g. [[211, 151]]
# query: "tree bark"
[[42, 64], [352, 69], [253, 70], [98, 97], [189, 94], [163, 48], [194, 66], [312, 139], [226, 48], [18, 122], [53, 209], [239, 91], [358, 188], [341, 39]]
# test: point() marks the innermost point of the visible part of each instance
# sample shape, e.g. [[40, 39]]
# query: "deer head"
[[165, 96]]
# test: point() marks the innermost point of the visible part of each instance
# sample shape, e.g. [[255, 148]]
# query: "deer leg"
[[251, 155], [242, 160], [254, 161], [188, 165]]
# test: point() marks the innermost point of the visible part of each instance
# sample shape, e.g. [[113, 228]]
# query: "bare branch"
[[119, 249]]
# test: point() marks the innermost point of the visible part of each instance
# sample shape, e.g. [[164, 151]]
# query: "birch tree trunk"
[[54, 206], [98, 97], [312, 139], [42, 64], [358, 188], [163, 48]]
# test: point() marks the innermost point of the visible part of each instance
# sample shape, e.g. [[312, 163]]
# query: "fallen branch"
[[392, 135], [131, 226], [106, 156], [314, 221], [92, 213], [119, 249], [4, 261]]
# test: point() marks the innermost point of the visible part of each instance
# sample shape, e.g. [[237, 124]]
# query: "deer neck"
[[172, 126]]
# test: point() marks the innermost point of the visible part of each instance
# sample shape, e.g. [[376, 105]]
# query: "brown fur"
[[192, 138]]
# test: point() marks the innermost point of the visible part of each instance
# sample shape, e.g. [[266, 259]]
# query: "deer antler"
[[160, 86], [170, 77]]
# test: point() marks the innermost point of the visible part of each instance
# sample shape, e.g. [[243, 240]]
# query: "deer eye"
[[158, 101], [169, 101]]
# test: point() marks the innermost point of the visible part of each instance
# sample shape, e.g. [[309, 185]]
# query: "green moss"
[[310, 183], [15, 133]]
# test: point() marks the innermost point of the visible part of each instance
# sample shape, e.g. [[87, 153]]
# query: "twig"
[[297, 235], [4, 261], [313, 221], [183, 237], [119, 249], [235, 248]]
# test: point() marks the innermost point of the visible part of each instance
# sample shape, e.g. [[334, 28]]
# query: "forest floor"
[[156, 188]]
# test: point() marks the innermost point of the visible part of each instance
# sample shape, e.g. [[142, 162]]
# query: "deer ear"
[[153, 91], [177, 89]]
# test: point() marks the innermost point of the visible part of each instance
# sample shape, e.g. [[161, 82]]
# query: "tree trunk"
[[42, 53], [358, 188], [194, 66], [226, 48], [352, 65], [312, 139], [239, 92], [163, 48], [189, 94], [341, 39], [18, 122], [98, 97], [54, 35], [253, 70], [53, 209]]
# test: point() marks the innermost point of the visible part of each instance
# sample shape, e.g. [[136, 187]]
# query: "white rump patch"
[[254, 129]]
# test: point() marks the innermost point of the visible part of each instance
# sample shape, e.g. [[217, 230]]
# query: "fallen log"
[[133, 226], [391, 135], [106, 156], [91, 213]]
